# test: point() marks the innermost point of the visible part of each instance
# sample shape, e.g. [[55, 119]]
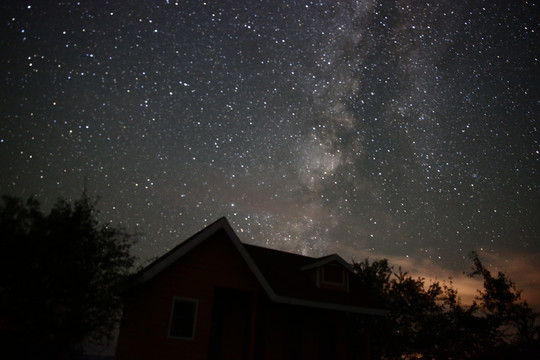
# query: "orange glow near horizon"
[[517, 267]]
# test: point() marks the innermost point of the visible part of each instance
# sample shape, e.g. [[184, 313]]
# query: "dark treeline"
[[61, 277], [430, 322]]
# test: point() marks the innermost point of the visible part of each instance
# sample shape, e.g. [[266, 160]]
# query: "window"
[[183, 316], [333, 274]]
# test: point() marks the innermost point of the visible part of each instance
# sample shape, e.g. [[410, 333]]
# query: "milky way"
[[368, 128]]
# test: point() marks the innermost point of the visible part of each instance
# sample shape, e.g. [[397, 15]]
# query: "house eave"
[[179, 251], [330, 306], [327, 260]]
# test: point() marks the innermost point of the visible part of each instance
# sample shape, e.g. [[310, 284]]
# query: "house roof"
[[283, 276], [289, 276]]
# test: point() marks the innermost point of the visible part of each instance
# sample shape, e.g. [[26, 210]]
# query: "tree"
[[61, 276], [429, 321], [509, 320], [415, 317]]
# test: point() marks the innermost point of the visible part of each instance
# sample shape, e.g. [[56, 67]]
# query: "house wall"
[[278, 331], [293, 332], [144, 328]]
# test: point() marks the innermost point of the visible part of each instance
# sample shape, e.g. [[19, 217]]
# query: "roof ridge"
[[279, 251]]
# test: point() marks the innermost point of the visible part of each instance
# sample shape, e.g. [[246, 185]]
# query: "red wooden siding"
[[144, 329]]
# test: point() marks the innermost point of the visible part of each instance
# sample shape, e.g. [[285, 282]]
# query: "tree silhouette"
[[429, 321], [61, 274], [510, 322]]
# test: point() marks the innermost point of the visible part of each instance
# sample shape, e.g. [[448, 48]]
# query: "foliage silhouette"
[[62, 274], [429, 321]]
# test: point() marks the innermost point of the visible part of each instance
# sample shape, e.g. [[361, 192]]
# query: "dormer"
[[330, 273]]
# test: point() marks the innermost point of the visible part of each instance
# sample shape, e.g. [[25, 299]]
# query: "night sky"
[[397, 129]]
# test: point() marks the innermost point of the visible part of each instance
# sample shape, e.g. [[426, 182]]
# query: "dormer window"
[[333, 274], [329, 273]]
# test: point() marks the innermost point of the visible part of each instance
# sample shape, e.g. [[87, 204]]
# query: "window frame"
[[329, 282], [176, 299]]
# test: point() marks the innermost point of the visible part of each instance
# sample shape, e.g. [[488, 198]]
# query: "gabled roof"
[[282, 275], [328, 259]]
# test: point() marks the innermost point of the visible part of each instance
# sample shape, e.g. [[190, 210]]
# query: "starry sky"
[[371, 128]]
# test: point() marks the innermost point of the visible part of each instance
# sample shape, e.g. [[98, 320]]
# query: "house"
[[214, 297]]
